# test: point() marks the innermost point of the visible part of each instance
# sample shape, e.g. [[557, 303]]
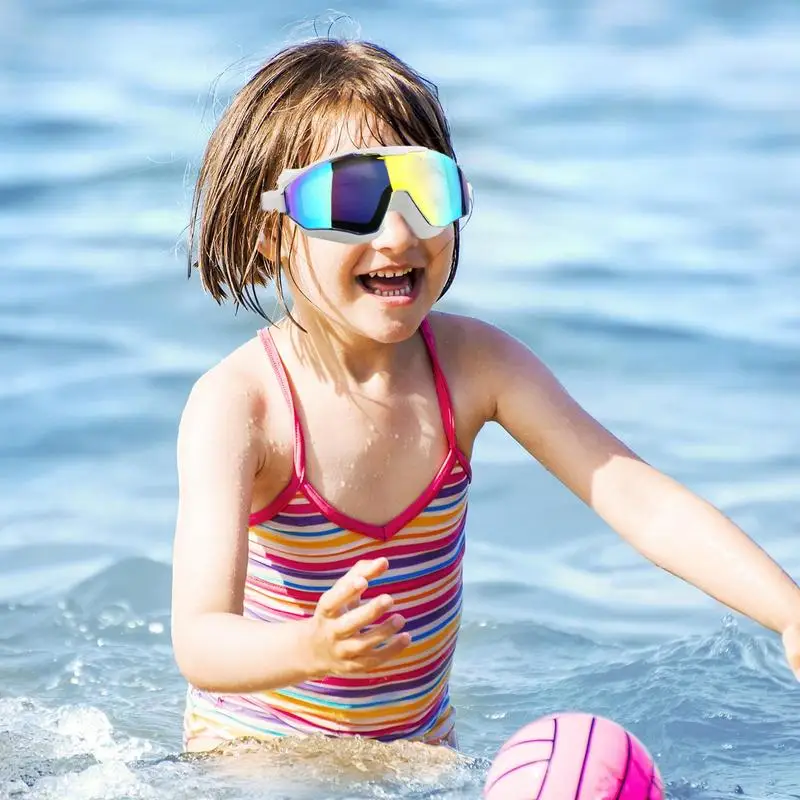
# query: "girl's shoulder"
[[233, 390], [470, 352], [446, 323], [462, 340], [482, 358]]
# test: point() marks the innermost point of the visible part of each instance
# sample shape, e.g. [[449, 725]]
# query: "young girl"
[[325, 465]]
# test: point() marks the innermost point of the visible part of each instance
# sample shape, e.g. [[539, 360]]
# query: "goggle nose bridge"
[[402, 202]]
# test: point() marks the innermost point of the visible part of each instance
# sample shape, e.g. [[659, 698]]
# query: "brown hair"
[[279, 120]]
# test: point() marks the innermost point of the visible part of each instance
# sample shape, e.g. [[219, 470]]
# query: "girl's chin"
[[396, 324]]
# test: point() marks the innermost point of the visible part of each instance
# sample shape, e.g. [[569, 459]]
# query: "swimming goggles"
[[346, 198]]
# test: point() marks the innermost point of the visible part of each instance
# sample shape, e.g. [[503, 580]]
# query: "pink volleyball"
[[573, 757]]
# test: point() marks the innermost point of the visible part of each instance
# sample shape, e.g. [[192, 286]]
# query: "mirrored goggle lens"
[[352, 193], [434, 182]]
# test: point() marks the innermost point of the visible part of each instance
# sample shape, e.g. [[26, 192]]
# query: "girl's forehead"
[[356, 132]]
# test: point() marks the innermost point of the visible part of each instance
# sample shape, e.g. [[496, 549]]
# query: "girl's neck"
[[345, 355]]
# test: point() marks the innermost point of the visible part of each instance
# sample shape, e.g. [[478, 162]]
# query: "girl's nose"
[[395, 233]]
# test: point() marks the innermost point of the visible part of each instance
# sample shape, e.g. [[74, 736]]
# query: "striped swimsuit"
[[299, 546]]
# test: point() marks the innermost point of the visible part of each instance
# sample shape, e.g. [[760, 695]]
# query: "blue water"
[[637, 175]]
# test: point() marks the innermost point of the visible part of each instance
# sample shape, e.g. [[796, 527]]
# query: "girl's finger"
[[380, 634], [350, 623], [348, 589]]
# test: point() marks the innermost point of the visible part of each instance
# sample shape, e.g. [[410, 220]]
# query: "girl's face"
[[335, 284]]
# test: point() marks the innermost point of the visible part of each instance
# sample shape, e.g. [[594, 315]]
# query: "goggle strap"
[[273, 201]]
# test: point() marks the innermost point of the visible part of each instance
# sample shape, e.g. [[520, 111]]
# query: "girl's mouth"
[[391, 283]]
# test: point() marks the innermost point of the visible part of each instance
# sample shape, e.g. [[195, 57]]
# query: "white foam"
[[68, 731]]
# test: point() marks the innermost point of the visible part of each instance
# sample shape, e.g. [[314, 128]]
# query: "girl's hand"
[[791, 644], [339, 643]]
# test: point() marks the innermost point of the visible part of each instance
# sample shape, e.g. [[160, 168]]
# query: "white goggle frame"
[[401, 202]]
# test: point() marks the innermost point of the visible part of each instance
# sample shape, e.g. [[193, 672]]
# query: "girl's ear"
[[266, 246]]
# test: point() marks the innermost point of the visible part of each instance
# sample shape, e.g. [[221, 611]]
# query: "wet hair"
[[280, 120]]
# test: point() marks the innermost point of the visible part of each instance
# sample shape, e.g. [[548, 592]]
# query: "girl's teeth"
[[391, 287], [389, 274], [392, 292]]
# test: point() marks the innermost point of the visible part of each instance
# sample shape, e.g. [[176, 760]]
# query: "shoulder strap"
[[279, 369], [442, 391]]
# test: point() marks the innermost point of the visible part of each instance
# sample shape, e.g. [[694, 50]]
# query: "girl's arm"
[[219, 451], [667, 523]]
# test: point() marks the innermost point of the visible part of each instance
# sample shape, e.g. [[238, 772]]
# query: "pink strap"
[[442, 392], [283, 379]]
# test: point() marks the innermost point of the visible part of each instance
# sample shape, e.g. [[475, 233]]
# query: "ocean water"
[[637, 178]]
